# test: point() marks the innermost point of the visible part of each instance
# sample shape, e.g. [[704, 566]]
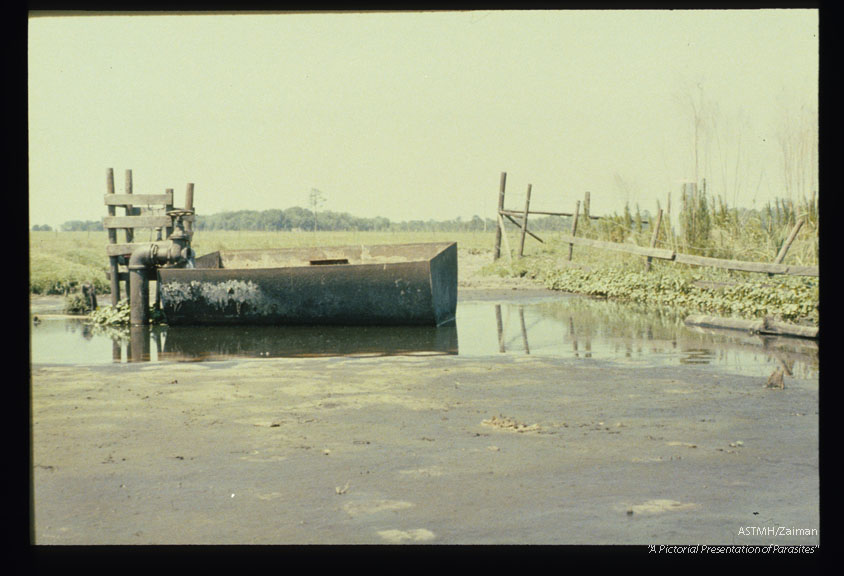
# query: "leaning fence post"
[[525, 222], [500, 228], [787, 244], [654, 238], [574, 227]]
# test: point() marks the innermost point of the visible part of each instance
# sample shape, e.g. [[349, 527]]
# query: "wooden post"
[[504, 238], [189, 206], [654, 238], [787, 244], [169, 229], [112, 238], [130, 232], [500, 229], [525, 222], [574, 227], [586, 204]]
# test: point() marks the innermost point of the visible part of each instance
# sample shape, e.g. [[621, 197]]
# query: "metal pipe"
[[140, 264]]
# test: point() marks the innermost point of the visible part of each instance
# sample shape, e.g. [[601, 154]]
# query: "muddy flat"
[[419, 449]]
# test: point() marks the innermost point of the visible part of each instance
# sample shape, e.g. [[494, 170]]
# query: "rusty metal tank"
[[393, 284]]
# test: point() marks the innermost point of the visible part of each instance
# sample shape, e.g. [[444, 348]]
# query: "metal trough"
[[398, 284]]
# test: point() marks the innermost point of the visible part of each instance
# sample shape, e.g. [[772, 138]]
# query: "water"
[[556, 325]]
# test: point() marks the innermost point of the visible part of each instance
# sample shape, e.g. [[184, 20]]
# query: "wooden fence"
[[648, 252]]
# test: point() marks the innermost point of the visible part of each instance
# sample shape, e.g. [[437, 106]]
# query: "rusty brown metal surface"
[[405, 284]]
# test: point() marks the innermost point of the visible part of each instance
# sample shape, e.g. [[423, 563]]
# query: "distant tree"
[[42, 228], [82, 226]]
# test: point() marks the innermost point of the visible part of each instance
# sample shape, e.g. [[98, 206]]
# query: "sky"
[[414, 115]]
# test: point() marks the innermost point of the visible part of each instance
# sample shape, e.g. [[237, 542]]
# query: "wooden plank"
[[803, 271], [767, 326], [138, 199], [124, 249], [537, 212], [504, 239], [519, 225], [740, 265], [140, 221], [660, 253]]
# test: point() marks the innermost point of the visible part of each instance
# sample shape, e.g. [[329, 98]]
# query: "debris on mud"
[[505, 423]]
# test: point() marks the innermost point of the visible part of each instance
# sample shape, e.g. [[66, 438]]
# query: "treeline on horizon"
[[297, 219]]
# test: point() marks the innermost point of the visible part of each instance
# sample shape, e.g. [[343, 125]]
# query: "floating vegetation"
[[119, 315], [789, 298]]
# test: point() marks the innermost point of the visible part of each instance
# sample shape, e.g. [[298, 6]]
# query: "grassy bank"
[[61, 261], [684, 289]]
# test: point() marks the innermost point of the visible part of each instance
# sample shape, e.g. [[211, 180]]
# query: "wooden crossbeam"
[[632, 248], [140, 221], [139, 199]]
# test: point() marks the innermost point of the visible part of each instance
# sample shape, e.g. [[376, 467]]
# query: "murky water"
[[557, 325]]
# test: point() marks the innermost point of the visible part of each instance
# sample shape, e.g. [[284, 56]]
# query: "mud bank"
[[434, 450]]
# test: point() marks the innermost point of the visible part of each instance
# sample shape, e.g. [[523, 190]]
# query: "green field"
[[61, 262]]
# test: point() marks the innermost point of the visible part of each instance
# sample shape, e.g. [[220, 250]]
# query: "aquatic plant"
[[119, 315]]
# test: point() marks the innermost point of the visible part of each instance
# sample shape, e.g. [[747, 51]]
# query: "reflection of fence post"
[[525, 222], [654, 238], [524, 330], [500, 230], [500, 326], [574, 227]]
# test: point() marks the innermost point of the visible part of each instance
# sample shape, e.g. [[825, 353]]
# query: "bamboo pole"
[[499, 232], [574, 228], [525, 222], [654, 239], [112, 238]]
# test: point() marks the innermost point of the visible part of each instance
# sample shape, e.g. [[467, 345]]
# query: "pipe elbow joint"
[[143, 257]]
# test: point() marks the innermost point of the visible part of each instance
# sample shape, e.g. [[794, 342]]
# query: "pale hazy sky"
[[415, 115]]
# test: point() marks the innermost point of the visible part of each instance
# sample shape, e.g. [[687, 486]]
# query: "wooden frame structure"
[[140, 211]]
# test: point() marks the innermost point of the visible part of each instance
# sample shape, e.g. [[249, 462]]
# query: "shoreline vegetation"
[[61, 262]]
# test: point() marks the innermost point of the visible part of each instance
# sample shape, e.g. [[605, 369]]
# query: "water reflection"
[[558, 326]]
